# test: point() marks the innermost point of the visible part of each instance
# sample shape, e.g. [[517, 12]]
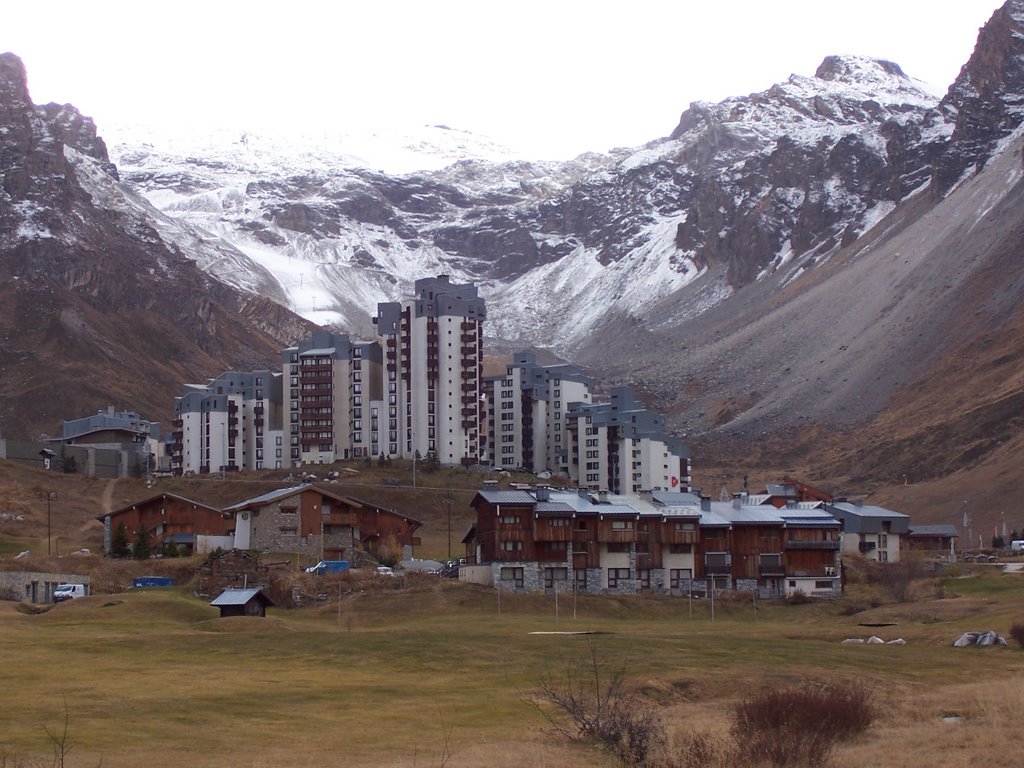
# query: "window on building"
[[618, 546], [554, 575], [622, 525], [678, 576], [513, 576], [509, 519], [615, 575], [580, 575]]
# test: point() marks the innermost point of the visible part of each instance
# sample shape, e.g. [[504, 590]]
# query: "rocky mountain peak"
[[13, 81], [859, 70], [986, 102], [33, 165]]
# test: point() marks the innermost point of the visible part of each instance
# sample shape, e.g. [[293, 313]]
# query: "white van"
[[68, 592], [1017, 546]]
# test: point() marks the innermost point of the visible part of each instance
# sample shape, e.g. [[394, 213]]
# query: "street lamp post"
[[50, 496], [449, 501]]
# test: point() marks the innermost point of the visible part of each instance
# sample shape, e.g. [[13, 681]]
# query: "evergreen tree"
[[432, 464], [142, 547], [119, 542], [997, 542]]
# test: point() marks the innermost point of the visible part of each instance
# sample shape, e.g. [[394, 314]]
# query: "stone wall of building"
[[36, 586], [234, 569]]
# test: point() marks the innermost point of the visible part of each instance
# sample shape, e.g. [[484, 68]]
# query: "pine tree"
[[119, 542], [142, 548]]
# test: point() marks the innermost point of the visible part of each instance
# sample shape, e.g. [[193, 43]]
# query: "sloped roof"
[[492, 496], [148, 500], [675, 499], [240, 597], [269, 497], [865, 510], [367, 504], [553, 508], [933, 530], [283, 493]]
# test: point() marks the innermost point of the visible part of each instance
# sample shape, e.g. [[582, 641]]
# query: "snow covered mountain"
[[742, 189]]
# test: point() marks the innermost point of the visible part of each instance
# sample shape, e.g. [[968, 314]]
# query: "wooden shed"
[[242, 602]]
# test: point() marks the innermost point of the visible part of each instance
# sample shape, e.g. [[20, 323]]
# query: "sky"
[[551, 79]]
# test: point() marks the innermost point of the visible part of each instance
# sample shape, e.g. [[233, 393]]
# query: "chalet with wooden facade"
[[319, 523], [937, 541], [303, 519], [168, 519], [666, 542]]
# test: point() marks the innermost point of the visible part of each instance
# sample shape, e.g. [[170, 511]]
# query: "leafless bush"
[[700, 750], [898, 578], [800, 727], [587, 700]]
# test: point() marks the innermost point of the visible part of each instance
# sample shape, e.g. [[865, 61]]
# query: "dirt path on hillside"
[[106, 500], [106, 505]]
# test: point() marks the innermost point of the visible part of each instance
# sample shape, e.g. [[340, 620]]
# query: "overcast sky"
[[553, 78]]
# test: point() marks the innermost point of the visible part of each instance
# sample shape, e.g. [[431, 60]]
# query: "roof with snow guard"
[[741, 515], [492, 496], [675, 499], [269, 497]]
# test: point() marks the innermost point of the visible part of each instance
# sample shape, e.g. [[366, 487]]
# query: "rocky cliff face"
[[986, 102], [99, 305]]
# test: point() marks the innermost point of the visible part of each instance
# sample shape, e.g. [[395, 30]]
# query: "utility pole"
[[50, 496]]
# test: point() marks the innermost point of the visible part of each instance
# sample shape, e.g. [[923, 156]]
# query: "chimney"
[[543, 493], [705, 503], [737, 502], [602, 497]]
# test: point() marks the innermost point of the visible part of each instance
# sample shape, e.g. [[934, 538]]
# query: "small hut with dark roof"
[[242, 602]]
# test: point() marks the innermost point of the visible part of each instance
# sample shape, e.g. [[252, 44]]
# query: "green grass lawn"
[[159, 679]]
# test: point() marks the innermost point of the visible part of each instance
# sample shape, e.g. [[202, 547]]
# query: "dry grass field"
[[430, 674]]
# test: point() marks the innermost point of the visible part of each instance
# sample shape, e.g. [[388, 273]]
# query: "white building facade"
[[232, 423], [433, 360]]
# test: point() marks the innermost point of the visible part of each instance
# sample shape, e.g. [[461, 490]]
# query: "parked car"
[[68, 592], [385, 570]]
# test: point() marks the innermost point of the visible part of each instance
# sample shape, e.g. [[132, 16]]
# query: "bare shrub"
[[800, 727], [700, 750], [588, 700], [798, 598], [898, 578], [1017, 633]]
